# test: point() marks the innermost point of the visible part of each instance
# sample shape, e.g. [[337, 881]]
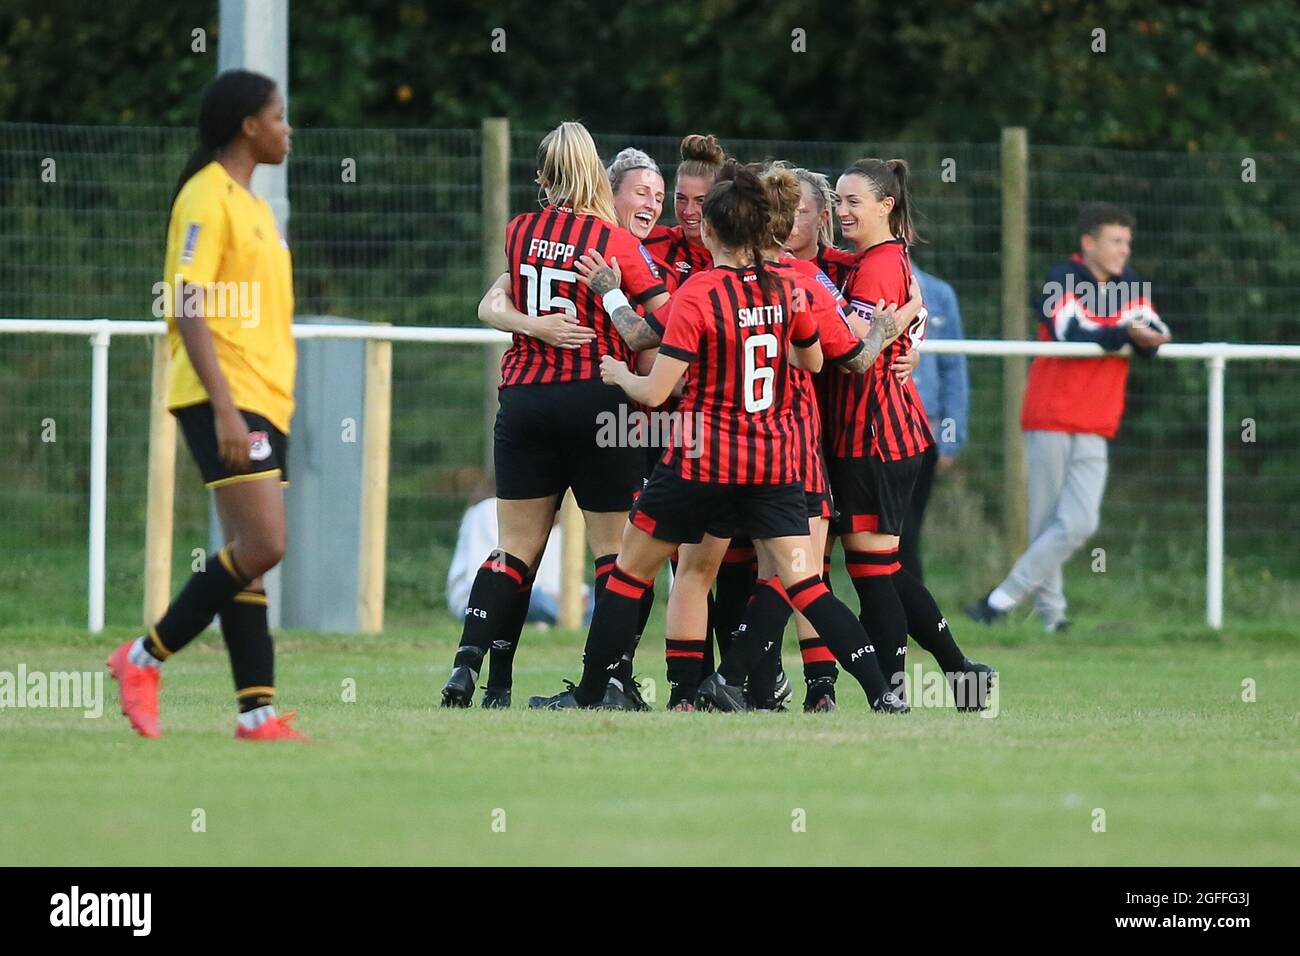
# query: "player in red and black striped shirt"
[[679, 250], [736, 330], [878, 436], [552, 399]]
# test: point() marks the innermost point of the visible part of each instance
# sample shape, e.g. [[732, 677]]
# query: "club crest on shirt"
[[259, 446], [191, 243]]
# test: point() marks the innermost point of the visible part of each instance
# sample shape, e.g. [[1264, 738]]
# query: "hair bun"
[[703, 148]]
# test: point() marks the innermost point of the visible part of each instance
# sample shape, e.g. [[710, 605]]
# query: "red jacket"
[[1083, 396]]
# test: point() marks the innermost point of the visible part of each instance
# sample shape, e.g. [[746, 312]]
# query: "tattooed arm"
[[601, 277], [885, 327]]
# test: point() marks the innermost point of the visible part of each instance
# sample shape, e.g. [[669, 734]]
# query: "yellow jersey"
[[224, 241]]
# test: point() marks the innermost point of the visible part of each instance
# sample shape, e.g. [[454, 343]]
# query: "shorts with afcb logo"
[[268, 447]]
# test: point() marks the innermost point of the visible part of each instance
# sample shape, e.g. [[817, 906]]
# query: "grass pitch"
[[1147, 727]]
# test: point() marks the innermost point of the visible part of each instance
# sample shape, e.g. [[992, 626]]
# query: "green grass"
[[1146, 723]]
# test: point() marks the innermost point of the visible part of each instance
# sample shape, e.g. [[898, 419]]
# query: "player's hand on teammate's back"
[[906, 364], [562, 330], [232, 438], [600, 276], [612, 371]]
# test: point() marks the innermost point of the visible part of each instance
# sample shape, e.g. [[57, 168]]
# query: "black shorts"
[[680, 511], [546, 441], [268, 447], [819, 504], [872, 495]]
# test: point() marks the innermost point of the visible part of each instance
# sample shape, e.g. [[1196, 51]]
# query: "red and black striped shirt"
[[836, 263], [677, 256], [541, 248], [839, 344], [877, 414], [739, 397]]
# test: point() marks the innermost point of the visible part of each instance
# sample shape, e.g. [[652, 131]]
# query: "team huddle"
[[792, 356]]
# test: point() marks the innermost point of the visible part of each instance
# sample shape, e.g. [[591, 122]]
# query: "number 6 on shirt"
[[762, 377]]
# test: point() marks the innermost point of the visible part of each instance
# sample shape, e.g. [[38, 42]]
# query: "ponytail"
[[890, 177], [573, 174], [228, 100], [739, 213]]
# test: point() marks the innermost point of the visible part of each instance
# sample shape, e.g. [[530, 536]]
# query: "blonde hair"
[[783, 195], [625, 162], [572, 174], [826, 199]]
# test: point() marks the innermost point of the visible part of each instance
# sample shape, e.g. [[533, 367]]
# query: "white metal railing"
[[1216, 355]]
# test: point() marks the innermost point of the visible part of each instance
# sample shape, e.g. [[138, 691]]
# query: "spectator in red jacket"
[[1073, 407]]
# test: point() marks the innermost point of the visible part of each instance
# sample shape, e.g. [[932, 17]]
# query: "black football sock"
[[204, 594], [501, 655], [842, 632], [251, 650], [926, 623], [684, 659], [818, 661], [736, 579], [707, 665], [492, 607], [603, 566], [826, 573], [623, 669], [764, 619], [762, 678], [613, 626], [882, 614]]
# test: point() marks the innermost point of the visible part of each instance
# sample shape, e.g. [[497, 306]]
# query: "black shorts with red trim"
[[872, 495], [268, 447], [818, 504], [671, 508], [548, 439]]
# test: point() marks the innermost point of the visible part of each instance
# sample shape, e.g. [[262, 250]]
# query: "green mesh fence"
[[400, 243]]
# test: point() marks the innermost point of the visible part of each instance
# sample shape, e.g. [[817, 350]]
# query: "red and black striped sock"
[[882, 614], [842, 632], [501, 656], [204, 594], [623, 669], [603, 566], [826, 573], [492, 607], [685, 659], [926, 623], [613, 627], [818, 661], [764, 619]]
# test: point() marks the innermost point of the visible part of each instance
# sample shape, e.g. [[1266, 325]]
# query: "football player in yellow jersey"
[[230, 314]]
